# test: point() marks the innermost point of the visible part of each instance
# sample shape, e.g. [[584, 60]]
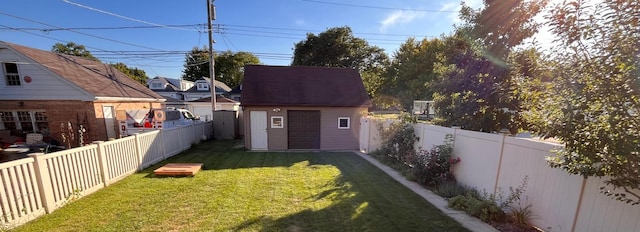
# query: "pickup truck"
[[139, 121]]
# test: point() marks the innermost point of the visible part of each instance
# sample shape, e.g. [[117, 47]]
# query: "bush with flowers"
[[433, 167]]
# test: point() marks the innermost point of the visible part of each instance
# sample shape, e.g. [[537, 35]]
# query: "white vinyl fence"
[[42, 183], [493, 162]]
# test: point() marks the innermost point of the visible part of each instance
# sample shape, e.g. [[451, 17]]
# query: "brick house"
[[297, 107], [41, 90]]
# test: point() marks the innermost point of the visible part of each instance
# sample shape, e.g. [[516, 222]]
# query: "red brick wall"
[[59, 111]]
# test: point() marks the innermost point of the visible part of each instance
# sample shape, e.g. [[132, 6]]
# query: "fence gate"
[[364, 134]]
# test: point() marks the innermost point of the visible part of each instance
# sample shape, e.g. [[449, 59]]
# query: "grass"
[[253, 191]]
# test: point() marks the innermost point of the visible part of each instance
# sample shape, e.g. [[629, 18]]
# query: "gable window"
[[203, 86], [156, 85], [11, 74], [344, 122], [277, 122]]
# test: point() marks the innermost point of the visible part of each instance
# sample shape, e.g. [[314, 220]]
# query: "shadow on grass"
[[361, 198]]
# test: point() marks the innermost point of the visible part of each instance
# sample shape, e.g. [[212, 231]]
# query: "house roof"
[[169, 85], [236, 90], [219, 99], [220, 86], [302, 86], [96, 78], [170, 99]]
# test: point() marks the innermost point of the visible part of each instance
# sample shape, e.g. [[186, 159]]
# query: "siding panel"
[[44, 85]]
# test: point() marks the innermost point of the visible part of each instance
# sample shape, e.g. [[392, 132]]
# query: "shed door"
[[258, 130], [303, 129], [109, 121]]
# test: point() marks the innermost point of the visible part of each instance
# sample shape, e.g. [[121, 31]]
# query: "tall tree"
[[337, 47], [229, 66], [73, 49], [196, 64], [594, 105], [136, 74], [411, 75], [479, 93]]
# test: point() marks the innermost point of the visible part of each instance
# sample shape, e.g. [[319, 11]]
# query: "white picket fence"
[[493, 162], [42, 183]]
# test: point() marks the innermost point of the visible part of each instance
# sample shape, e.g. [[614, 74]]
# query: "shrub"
[[433, 167], [397, 144], [451, 189], [493, 207]]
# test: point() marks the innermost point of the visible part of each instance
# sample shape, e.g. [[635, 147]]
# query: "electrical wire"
[[81, 33], [123, 17], [379, 7], [102, 28]]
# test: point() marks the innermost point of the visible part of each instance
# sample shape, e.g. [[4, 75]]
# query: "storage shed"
[[299, 107]]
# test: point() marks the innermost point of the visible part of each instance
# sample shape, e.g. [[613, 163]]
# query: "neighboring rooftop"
[[219, 99], [221, 87], [94, 77], [302, 86]]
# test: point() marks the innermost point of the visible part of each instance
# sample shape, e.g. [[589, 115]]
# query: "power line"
[[77, 32], [123, 17], [224, 26], [101, 28], [379, 7]]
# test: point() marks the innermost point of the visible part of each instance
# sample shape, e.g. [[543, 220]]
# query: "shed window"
[[11, 74], [344, 123], [277, 122]]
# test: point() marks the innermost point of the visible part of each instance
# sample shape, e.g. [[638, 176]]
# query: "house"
[[301, 107], [235, 93], [169, 87], [43, 92], [201, 89], [202, 106]]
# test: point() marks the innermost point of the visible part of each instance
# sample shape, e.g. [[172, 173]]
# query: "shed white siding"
[[44, 85]]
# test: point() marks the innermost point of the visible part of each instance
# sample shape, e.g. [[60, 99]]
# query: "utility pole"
[[211, 15]]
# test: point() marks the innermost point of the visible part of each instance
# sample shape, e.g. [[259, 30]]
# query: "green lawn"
[[247, 191]]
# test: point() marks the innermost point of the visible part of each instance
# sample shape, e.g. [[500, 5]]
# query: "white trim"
[[348, 122], [273, 125], [131, 99]]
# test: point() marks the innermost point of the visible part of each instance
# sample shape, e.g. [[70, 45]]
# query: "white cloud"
[[299, 22], [398, 17]]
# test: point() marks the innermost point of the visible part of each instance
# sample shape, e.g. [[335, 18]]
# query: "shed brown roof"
[[302, 86], [96, 78]]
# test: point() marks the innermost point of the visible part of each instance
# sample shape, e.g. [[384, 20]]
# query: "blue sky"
[[268, 28]]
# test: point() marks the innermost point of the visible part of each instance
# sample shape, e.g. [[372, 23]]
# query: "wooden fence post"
[[44, 181], [139, 154], [104, 170]]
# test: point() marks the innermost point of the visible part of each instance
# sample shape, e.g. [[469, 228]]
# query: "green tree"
[[337, 47], [73, 49], [136, 74], [411, 74], [196, 64], [594, 105], [229, 66], [478, 91]]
